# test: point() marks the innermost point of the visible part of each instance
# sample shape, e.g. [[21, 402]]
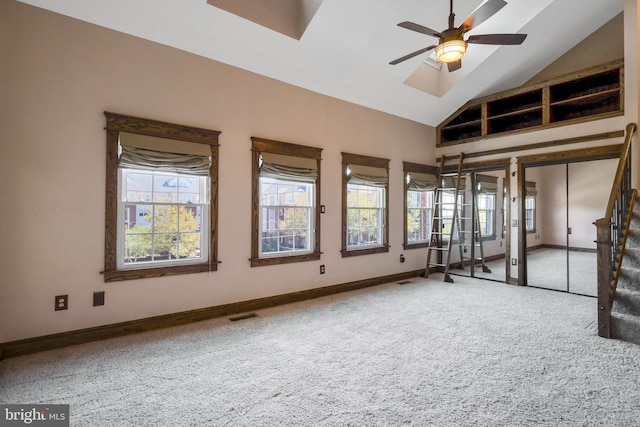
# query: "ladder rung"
[[434, 248], [437, 265]]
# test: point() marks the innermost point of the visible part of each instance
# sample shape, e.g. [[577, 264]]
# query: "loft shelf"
[[591, 94]]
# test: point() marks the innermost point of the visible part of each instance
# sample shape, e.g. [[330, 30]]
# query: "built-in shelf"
[[590, 94]]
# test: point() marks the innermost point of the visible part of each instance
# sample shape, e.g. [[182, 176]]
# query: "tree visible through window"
[[420, 184], [286, 194], [365, 205], [165, 217], [161, 181], [286, 216]]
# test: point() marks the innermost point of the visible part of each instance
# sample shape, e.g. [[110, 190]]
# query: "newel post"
[[604, 248]]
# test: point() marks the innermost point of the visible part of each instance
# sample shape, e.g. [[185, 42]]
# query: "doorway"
[[561, 202]]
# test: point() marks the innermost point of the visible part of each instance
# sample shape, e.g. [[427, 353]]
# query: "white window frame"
[[310, 207], [425, 212], [379, 213], [123, 204], [488, 221], [530, 206]]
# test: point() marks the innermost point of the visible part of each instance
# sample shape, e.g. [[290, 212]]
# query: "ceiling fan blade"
[[411, 55], [454, 65], [419, 28], [507, 39], [482, 13]]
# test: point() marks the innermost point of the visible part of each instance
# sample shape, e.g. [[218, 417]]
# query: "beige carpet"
[[426, 353]]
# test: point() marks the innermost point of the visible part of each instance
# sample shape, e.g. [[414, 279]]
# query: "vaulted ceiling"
[[342, 48]]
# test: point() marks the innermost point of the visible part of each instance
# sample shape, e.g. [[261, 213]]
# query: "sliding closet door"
[[546, 224], [588, 193]]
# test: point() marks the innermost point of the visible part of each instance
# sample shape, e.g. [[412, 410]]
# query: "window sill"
[[277, 260], [145, 273], [415, 245], [367, 251]]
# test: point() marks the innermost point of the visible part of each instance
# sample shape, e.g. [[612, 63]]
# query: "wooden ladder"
[[444, 211]]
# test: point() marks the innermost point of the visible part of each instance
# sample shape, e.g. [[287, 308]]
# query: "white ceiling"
[[346, 48]]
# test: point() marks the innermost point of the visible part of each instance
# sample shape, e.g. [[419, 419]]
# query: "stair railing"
[[611, 234]]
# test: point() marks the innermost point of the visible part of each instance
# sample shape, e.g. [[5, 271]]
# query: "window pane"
[[285, 219], [419, 215], [138, 186], [165, 188], [189, 245], [164, 218]]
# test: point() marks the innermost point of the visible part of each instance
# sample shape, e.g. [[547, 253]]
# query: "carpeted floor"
[[425, 353]]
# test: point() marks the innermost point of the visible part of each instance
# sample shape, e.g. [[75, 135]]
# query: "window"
[[161, 183], [420, 184], [487, 189], [365, 205], [447, 207], [286, 187], [530, 206], [505, 207], [169, 228]]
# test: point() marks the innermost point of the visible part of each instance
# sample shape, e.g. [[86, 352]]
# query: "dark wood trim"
[[65, 339], [507, 193], [368, 251], [541, 145], [262, 145], [111, 203], [116, 123], [377, 162], [522, 226], [570, 156], [121, 123], [477, 166], [358, 159], [145, 273], [416, 167]]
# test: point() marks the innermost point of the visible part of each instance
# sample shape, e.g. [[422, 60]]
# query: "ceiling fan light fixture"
[[451, 50]]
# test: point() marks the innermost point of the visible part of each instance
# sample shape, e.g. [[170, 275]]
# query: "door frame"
[[604, 152], [487, 166]]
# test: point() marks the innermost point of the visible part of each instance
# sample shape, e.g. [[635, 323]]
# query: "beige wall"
[[58, 75]]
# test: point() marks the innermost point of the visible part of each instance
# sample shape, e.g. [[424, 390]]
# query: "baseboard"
[[80, 336]]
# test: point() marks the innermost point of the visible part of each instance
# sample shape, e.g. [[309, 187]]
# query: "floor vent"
[[243, 317], [405, 282]]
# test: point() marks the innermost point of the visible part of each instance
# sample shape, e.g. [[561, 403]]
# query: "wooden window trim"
[[262, 145], [357, 159], [116, 123]]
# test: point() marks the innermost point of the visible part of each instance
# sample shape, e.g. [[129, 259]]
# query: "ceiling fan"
[[452, 45]]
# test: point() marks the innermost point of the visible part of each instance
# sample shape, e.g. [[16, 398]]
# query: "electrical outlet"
[[62, 302], [98, 298], [514, 261], [322, 269], [401, 257]]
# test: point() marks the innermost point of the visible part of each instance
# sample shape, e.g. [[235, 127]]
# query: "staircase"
[[625, 311]]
